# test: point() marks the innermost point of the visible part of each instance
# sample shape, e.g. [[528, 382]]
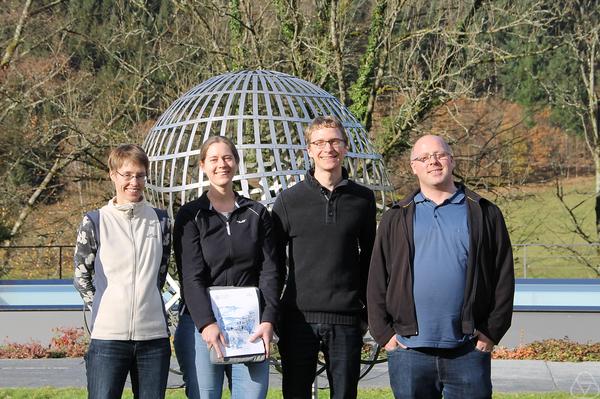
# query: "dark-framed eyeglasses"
[[130, 177], [439, 156], [335, 143]]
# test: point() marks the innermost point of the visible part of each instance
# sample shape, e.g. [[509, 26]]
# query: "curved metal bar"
[[264, 113]]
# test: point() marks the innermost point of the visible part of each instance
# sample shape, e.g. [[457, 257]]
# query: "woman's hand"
[[264, 331], [211, 334]]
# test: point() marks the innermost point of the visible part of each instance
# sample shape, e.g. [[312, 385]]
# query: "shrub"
[[557, 350], [67, 342], [71, 342], [31, 350]]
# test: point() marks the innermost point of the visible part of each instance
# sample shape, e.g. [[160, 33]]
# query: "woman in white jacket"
[[121, 260]]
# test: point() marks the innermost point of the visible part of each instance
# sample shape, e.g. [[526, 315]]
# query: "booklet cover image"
[[237, 312]]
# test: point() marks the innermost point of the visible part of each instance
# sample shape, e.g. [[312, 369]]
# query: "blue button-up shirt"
[[441, 237]]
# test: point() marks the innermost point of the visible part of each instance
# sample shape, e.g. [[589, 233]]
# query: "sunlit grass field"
[[535, 215]]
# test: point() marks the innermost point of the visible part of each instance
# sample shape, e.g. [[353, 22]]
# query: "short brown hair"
[[219, 139], [127, 153], [327, 121]]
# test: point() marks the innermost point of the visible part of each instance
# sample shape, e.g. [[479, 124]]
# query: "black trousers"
[[299, 345]]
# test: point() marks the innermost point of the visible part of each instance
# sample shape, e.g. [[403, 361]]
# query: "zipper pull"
[[228, 230]]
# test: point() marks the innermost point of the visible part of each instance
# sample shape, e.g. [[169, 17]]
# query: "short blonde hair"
[[127, 153], [321, 122]]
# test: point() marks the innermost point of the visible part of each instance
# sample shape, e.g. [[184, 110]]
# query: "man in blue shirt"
[[441, 283]]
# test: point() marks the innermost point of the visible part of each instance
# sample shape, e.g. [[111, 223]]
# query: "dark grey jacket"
[[489, 290]]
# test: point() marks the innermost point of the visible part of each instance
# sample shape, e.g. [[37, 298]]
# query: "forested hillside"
[[512, 85]]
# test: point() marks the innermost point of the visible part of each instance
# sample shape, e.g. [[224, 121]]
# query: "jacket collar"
[[471, 195], [129, 209], [240, 201], [313, 182], [455, 198]]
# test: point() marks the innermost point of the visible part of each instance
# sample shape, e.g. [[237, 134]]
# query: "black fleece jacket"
[[329, 236], [211, 250], [489, 290]]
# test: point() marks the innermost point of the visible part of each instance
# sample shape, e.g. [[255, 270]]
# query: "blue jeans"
[[299, 345], [204, 380], [108, 362], [427, 373]]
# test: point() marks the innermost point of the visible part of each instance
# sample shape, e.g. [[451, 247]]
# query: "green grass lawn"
[[69, 393], [535, 215]]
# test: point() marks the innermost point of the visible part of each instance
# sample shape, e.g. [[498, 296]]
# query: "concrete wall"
[[24, 326], [527, 327]]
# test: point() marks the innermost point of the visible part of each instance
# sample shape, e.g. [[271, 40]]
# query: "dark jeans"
[[108, 362], [299, 345], [428, 373]]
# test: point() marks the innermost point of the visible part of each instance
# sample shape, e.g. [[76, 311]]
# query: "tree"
[[444, 51], [363, 91], [563, 73], [83, 75], [68, 95], [582, 95]]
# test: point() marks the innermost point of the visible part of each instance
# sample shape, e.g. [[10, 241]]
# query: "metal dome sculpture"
[[264, 113]]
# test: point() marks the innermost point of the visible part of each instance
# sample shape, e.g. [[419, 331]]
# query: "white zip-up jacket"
[[120, 273]]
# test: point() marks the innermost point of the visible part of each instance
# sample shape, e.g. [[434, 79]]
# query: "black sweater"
[[211, 250], [330, 237]]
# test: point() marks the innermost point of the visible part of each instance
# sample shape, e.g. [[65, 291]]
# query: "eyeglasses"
[[129, 176], [439, 156], [335, 143]]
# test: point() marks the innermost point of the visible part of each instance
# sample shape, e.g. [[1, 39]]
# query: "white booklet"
[[237, 310]]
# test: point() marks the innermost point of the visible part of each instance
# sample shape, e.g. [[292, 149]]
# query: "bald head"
[[423, 144], [432, 162]]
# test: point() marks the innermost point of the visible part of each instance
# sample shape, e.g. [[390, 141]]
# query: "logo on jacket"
[[241, 221]]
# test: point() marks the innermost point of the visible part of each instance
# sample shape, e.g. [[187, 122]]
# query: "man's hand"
[[264, 331], [393, 344], [211, 334], [484, 344]]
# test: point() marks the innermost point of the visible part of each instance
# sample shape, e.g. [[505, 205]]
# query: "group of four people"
[[436, 280]]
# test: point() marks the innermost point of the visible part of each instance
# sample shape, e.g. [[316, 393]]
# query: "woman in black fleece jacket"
[[222, 239]]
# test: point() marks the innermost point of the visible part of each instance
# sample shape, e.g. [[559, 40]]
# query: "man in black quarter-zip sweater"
[[327, 224]]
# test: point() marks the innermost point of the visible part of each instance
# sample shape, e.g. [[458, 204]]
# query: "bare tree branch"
[[14, 43]]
